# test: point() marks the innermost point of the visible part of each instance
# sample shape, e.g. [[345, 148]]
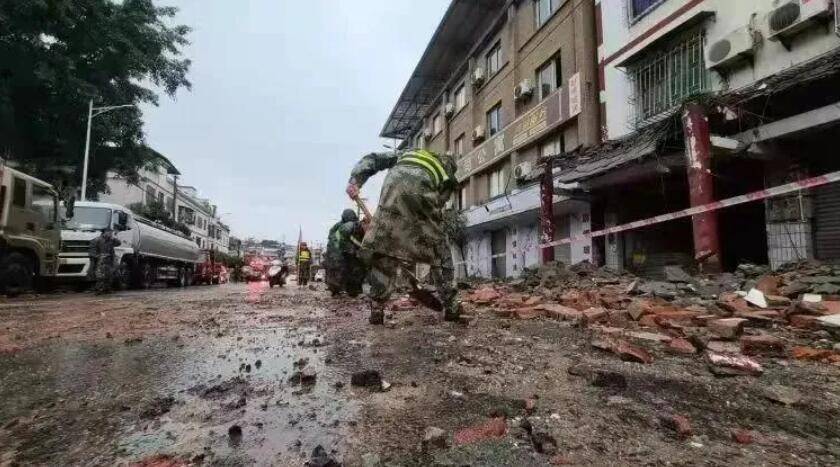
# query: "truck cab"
[[89, 219], [29, 230]]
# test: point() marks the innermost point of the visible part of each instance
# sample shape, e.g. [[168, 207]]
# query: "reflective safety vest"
[[427, 161], [305, 255]]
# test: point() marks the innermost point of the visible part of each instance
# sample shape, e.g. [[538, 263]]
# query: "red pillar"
[[547, 211], [698, 152]]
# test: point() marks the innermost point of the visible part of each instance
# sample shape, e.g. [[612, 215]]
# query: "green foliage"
[[56, 55], [157, 212]]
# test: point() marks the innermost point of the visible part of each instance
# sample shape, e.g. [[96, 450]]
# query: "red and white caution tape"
[[742, 199]]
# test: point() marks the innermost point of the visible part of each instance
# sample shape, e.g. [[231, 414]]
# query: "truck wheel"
[[16, 274], [146, 278], [123, 277], [188, 277]]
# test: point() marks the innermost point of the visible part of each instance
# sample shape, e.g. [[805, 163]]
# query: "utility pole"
[[93, 112]]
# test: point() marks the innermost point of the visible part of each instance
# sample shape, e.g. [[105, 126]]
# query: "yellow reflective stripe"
[[429, 157], [424, 164]]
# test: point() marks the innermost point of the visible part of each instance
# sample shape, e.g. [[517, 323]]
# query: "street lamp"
[[94, 112]]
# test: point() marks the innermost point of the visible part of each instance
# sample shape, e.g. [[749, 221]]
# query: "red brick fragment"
[[679, 424], [490, 429], [742, 436], [763, 345], [631, 353], [811, 354], [681, 346]]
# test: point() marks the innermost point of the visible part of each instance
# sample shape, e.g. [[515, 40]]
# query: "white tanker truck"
[[149, 252]]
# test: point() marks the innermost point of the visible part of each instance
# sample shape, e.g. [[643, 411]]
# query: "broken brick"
[[742, 436], [485, 295], [804, 321], [733, 303], [561, 312], [733, 365], [648, 321], [631, 353], [681, 346], [810, 353], [763, 345], [678, 424], [639, 308], [493, 428], [527, 313], [727, 328], [594, 314], [769, 285]]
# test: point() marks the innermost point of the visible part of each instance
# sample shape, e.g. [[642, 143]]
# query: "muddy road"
[[246, 375]]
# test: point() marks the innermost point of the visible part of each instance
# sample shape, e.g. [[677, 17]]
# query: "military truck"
[[30, 230]]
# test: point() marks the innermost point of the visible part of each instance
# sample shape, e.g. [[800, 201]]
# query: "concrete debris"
[[756, 297]]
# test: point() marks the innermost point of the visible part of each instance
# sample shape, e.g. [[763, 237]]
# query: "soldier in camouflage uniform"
[[407, 227], [345, 270], [103, 255]]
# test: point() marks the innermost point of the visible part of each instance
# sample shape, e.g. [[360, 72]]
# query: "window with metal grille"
[[639, 8], [667, 77]]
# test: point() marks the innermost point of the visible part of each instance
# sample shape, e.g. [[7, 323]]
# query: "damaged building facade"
[[502, 85], [568, 118], [704, 100]]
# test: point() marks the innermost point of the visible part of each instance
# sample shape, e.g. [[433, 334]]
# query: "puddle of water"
[[103, 388]]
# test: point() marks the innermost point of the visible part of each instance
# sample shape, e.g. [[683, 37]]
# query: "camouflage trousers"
[[345, 275], [104, 274], [383, 274]]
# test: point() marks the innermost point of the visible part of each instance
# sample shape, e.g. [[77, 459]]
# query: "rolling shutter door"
[[827, 222]]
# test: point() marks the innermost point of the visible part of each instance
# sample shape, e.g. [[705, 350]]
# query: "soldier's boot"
[[377, 313]]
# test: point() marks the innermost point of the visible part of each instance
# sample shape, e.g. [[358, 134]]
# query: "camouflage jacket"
[[408, 223], [102, 247], [341, 238]]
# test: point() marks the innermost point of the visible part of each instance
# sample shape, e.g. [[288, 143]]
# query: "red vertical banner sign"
[[698, 153], [547, 212]]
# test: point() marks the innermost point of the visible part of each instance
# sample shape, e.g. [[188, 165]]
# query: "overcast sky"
[[287, 96]]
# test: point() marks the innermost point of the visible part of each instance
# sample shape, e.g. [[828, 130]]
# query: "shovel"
[[425, 297]]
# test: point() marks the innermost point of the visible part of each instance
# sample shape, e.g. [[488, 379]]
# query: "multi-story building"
[[707, 99], [502, 85], [159, 184]]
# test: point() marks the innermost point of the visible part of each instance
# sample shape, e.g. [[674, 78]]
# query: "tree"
[[56, 55], [157, 212]]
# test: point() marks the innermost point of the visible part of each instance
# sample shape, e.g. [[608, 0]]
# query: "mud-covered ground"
[[179, 374]]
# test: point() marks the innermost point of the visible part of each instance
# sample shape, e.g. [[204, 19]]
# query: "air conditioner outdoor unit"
[[478, 77], [427, 133], [449, 109], [523, 90], [731, 50], [523, 170], [790, 17], [478, 133]]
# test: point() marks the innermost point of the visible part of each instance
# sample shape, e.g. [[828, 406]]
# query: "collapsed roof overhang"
[[464, 23]]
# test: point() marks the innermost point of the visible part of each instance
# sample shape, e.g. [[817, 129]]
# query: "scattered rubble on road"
[[770, 314]]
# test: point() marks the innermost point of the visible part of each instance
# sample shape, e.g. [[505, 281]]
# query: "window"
[[19, 193], [549, 78], [458, 148], [639, 8], [437, 123], [150, 194], [494, 119], [45, 203], [160, 198], [552, 147], [460, 98], [494, 59], [544, 9], [463, 200], [498, 182], [667, 77]]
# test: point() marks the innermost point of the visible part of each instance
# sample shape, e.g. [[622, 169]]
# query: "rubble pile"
[[733, 319]]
